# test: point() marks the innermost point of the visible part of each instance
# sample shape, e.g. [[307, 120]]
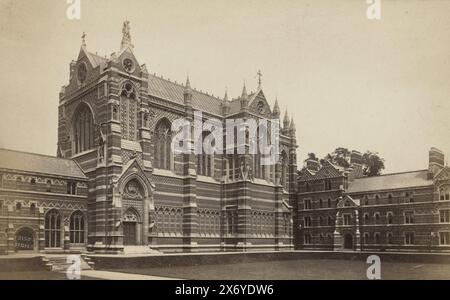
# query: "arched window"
[[52, 229], [389, 238], [390, 218], [390, 198], [205, 161], [377, 238], [366, 237], [163, 145], [284, 171], [329, 203], [83, 128], [377, 217], [77, 229], [366, 218]]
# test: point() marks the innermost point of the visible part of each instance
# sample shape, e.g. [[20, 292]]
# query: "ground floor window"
[[444, 238], [409, 238], [308, 239], [169, 220], [232, 219], [77, 229], [53, 229], [389, 238]]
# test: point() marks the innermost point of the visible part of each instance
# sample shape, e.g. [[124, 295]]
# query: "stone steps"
[[59, 263]]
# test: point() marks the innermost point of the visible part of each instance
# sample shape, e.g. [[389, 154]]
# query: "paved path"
[[120, 276]]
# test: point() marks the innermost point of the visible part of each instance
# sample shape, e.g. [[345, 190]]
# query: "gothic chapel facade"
[[115, 123]]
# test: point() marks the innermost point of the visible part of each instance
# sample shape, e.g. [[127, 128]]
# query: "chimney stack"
[[436, 160], [356, 157], [312, 165]]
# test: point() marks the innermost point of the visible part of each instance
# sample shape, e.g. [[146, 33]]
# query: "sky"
[[379, 85]]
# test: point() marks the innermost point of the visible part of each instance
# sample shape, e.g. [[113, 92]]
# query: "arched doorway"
[[130, 228], [25, 239], [348, 241]]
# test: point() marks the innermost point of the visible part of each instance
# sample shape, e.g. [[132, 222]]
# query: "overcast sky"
[[348, 81]]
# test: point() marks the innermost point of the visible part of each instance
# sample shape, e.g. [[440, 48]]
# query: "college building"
[[117, 186], [340, 209]]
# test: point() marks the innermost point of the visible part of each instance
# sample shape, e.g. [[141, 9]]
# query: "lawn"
[[298, 269]]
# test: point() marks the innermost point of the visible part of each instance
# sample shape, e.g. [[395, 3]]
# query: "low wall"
[[172, 260], [20, 264]]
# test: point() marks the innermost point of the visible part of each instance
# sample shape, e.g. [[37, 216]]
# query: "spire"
[[126, 36], [244, 92], [276, 108], [187, 92], [292, 125], [188, 84], [225, 98], [286, 120], [83, 39]]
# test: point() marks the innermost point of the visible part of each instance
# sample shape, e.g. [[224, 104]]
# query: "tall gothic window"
[[83, 129], [284, 171], [77, 229], [128, 112], [53, 229], [163, 143], [205, 162]]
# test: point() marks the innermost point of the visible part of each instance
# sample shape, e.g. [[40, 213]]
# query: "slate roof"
[[38, 163], [173, 92], [390, 181]]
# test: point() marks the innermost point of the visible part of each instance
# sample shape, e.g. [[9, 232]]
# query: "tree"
[[373, 164], [339, 157]]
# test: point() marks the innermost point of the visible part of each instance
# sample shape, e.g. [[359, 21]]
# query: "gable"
[[328, 170], [123, 61], [258, 104], [348, 201], [443, 175]]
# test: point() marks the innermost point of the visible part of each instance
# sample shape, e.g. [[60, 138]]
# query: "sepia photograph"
[[203, 141]]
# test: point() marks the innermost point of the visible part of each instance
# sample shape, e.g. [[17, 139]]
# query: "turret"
[[276, 110], [244, 98], [187, 94]]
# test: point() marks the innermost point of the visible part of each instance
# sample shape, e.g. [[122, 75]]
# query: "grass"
[[298, 269]]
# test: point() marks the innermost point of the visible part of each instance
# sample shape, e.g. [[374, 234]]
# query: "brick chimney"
[[312, 165], [356, 157], [435, 160]]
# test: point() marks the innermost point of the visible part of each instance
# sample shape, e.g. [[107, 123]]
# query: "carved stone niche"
[[133, 190]]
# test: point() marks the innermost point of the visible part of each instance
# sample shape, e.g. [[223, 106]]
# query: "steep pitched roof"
[[390, 181], [95, 59], [38, 163], [171, 91]]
